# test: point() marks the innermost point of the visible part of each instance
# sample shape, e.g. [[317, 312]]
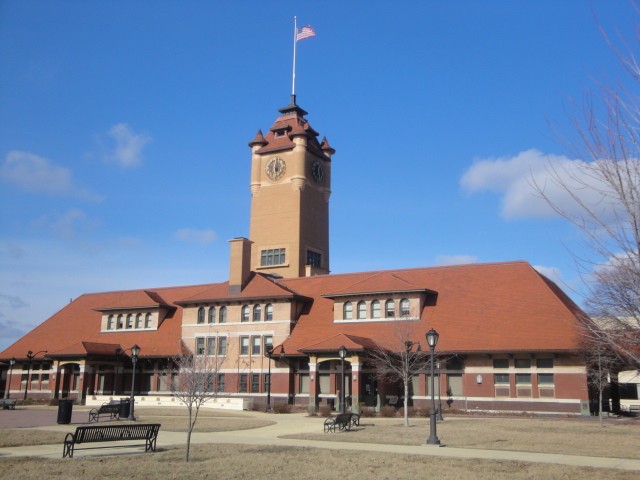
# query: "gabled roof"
[[133, 299], [379, 282], [87, 348], [332, 344]]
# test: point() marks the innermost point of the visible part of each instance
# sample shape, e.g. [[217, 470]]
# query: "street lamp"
[[135, 351], [342, 353], [30, 356], [268, 354], [432, 341], [7, 392], [440, 417]]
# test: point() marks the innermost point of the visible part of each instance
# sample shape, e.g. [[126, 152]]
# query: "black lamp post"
[[135, 351], [268, 354], [440, 417], [7, 392], [342, 353], [30, 356], [432, 341]]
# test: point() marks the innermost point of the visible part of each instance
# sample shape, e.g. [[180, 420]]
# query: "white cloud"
[[128, 145], [38, 174], [552, 273], [443, 260], [514, 178], [195, 236], [68, 224]]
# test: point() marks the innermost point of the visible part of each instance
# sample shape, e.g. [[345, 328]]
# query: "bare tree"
[[401, 361], [194, 384], [600, 195], [601, 363]]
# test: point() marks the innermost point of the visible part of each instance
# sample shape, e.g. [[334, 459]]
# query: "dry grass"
[[16, 437], [569, 436], [238, 462], [208, 421]]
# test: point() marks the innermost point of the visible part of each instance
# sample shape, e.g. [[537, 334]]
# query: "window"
[[500, 363], [522, 362], [211, 345], [362, 310], [347, 311], [120, 324], [274, 256], [200, 315], [222, 346], [110, 323], [255, 345], [129, 321], [212, 315], [501, 378], [523, 379], [390, 309], [243, 382], [314, 258], [268, 342], [222, 316], [454, 385], [268, 312], [545, 379], [255, 382], [375, 309], [200, 346], [139, 320], [244, 345], [544, 362], [147, 321], [304, 383], [220, 383], [244, 315], [257, 313], [404, 307]]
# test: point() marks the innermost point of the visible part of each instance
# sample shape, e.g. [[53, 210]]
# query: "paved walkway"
[[45, 419]]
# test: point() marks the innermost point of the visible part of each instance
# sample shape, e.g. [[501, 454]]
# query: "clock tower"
[[290, 189]]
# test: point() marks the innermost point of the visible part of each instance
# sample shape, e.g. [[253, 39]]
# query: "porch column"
[[356, 381], [313, 386]]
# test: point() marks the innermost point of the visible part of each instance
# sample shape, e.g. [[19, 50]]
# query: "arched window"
[[110, 322], [147, 321], [120, 324], [222, 316], [375, 309], [257, 313], [244, 316], [268, 312], [390, 309], [362, 310], [347, 311], [212, 315], [200, 315], [139, 320], [404, 307], [129, 321]]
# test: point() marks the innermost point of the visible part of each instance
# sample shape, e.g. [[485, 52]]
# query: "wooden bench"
[[8, 403], [342, 421], [112, 409], [111, 433]]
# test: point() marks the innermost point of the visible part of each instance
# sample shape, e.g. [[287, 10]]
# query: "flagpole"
[[293, 81]]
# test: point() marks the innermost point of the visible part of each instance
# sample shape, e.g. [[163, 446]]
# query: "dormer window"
[[347, 311], [390, 309], [200, 315], [404, 307], [362, 310], [375, 309]]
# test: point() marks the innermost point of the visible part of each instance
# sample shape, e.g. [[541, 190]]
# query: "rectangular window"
[[454, 385], [522, 363], [244, 345], [255, 345], [222, 346], [304, 383], [523, 379], [255, 383], [200, 346], [268, 342], [244, 382], [501, 378], [436, 384], [500, 363], [274, 256], [211, 346], [314, 258], [220, 382], [324, 381], [544, 362], [545, 379]]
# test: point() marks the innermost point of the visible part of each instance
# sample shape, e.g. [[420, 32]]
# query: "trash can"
[[124, 408], [65, 409]]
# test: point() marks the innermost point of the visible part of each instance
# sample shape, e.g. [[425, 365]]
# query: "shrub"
[[282, 408], [388, 411], [367, 412], [413, 412], [325, 411]]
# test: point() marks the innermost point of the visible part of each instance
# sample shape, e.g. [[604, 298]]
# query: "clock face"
[[317, 171], [276, 168]]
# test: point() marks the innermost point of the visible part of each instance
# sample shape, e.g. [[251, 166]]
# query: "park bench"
[[111, 433], [8, 403], [343, 421], [634, 408], [112, 409]]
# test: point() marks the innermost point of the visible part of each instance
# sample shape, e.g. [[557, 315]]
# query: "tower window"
[[273, 256], [257, 313], [314, 258], [222, 315]]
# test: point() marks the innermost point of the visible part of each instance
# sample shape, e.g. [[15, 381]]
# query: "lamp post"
[[135, 351], [30, 356], [268, 354], [342, 353], [432, 341], [7, 392], [439, 417]]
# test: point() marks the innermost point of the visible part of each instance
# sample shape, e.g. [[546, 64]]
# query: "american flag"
[[305, 32]]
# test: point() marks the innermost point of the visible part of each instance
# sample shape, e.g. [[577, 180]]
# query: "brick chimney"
[[239, 264]]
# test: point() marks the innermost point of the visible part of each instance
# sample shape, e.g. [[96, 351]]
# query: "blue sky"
[[124, 127]]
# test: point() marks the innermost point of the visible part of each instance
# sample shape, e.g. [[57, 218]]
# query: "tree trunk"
[[406, 402]]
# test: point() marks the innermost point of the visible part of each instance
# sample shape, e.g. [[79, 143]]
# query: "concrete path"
[[45, 419]]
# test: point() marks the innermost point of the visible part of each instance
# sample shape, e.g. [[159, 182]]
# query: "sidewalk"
[[285, 425]]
